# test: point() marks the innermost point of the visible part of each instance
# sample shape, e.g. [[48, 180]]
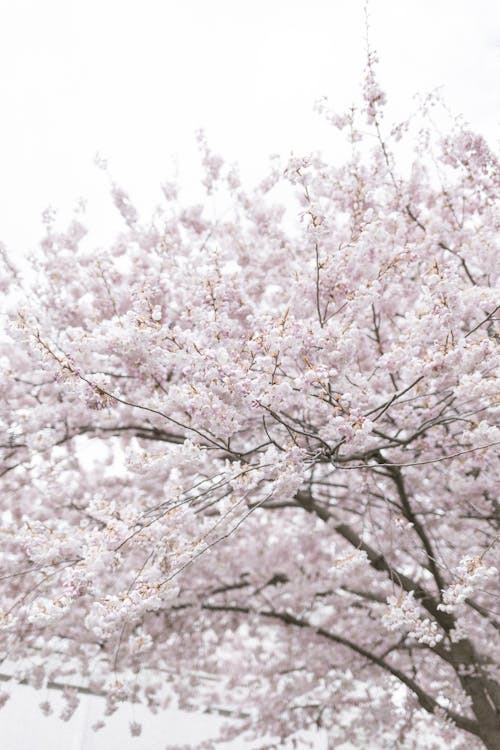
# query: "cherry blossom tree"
[[251, 459]]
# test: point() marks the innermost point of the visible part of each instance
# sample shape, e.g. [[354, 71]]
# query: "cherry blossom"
[[251, 460]]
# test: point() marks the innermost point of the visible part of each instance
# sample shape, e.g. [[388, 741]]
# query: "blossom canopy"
[[253, 459]]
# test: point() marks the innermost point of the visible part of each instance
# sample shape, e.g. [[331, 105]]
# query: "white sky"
[[134, 79]]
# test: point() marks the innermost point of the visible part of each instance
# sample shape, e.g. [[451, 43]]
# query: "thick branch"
[[425, 700], [378, 561], [397, 477]]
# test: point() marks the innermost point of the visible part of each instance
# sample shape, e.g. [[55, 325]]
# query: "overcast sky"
[[134, 79]]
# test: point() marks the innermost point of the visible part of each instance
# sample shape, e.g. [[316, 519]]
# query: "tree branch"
[[425, 700]]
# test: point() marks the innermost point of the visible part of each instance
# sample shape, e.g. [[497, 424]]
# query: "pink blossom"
[[250, 458]]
